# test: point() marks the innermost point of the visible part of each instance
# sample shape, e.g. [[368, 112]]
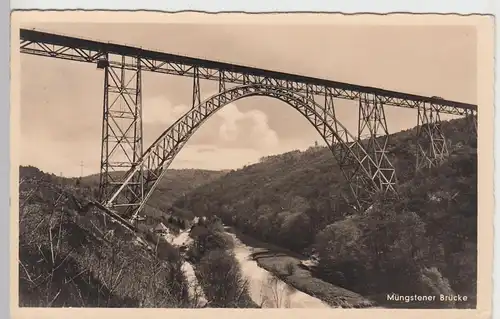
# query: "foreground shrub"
[[220, 275], [70, 257]]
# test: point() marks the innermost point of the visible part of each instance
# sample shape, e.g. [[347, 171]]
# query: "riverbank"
[[285, 265], [266, 289]]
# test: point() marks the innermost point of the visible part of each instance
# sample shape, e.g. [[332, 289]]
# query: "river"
[[265, 289]]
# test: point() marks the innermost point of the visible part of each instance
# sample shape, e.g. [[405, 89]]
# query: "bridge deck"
[[34, 36]]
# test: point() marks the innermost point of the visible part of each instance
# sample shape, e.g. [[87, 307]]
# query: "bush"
[[71, 257], [220, 276]]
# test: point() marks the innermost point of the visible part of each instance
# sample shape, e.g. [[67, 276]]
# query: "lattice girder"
[[136, 60], [87, 51], [160, 154], [472, 124], [432, 147], [373, 130], [122, 130]]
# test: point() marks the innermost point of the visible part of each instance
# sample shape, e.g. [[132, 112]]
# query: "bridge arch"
[[357, 166]]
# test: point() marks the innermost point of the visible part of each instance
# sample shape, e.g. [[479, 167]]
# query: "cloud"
[[247, 129], [159, 110], [229, 127], [230, 139]]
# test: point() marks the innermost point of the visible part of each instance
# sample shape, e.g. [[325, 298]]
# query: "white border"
[[352, 6]]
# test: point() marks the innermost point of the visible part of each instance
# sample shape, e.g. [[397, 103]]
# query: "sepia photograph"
[[248, 165]]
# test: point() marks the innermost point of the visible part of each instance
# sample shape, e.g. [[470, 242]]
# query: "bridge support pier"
[[373, 134], [472, 121], [222, 81], [122, 144], [196, 88], [432, 147], [350, 167], [330, 111]]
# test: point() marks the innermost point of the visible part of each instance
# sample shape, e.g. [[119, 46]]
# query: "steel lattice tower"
[[122, 144]]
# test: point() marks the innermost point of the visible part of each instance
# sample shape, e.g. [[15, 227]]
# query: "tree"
[[296, 230], [342, 253], [220, 275], [274, 293]]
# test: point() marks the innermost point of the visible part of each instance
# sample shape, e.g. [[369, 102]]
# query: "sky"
[[61, 101]]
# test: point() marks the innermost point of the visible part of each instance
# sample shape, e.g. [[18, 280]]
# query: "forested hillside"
[[70, 257], [425, 241]]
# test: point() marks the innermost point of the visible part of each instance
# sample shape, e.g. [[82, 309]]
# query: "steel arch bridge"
[[361, 156]]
